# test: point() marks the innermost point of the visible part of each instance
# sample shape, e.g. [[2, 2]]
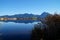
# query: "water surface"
[[16, 31]]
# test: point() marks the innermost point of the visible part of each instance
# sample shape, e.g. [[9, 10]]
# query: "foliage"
[[53, 30]]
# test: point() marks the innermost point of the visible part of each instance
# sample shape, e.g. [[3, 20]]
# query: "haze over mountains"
[[43, 15]]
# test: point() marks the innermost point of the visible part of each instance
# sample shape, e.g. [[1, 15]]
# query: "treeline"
[[51, 30]]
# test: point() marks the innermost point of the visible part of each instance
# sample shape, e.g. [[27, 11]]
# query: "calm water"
[[16, 31]]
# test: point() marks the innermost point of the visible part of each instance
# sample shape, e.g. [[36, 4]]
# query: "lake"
[[16, 30]]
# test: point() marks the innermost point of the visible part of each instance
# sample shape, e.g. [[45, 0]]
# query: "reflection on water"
[[20, 21], [16, 30]]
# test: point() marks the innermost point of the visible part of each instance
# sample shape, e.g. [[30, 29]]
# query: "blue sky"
[[11, 7]]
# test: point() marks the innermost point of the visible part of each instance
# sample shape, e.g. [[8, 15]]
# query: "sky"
[[11, 7]]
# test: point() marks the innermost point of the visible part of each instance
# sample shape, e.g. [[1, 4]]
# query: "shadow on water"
[[17, 37]]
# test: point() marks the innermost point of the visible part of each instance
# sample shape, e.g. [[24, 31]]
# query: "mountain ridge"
[[43, 15]]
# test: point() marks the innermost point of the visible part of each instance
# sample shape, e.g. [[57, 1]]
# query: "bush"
[[37, 32], [53, 30], [50, 32]]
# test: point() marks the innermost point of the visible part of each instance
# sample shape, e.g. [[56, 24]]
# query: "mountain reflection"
[[20, 21]]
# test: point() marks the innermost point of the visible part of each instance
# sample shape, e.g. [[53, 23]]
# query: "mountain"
[[44, 15], [23, 15]]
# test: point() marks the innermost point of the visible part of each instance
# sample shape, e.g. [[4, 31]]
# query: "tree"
[[53, 30]]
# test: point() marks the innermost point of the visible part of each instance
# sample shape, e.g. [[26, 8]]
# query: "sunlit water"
[[16, 31]]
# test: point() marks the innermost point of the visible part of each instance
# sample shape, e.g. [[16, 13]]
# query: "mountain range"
[[43, 15]]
